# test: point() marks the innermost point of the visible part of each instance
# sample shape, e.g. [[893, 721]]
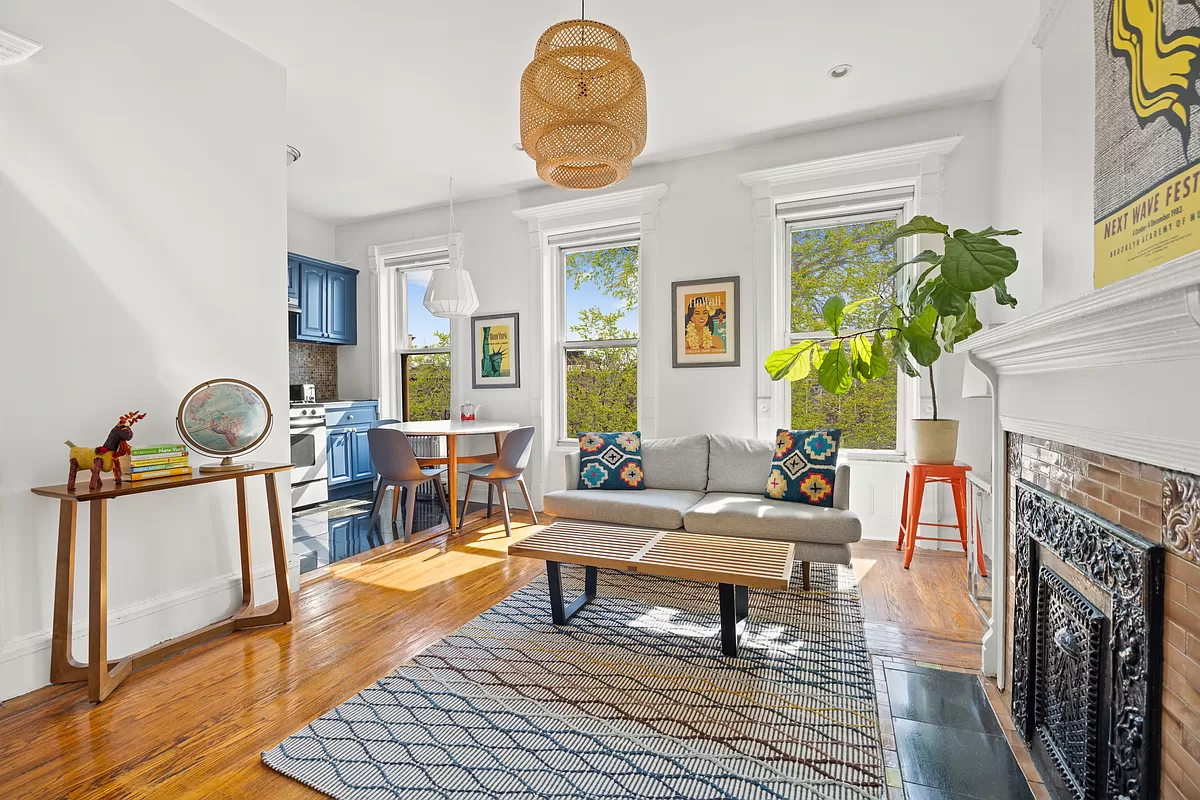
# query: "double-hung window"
[[598, 278], [851, 255], [423, 349]]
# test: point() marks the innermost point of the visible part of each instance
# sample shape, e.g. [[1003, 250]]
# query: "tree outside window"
[[425, 356], [851, 260], [601, 320]]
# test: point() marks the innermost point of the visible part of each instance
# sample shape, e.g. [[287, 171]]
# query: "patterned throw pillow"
[[804, 467], [611, 461]]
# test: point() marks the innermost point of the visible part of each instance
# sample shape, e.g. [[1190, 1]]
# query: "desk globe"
[[224, 418]]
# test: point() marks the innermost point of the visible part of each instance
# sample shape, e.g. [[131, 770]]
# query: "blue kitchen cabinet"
[[350, 468], [361, 468], [340, 454], [293, 278], [328, 296]]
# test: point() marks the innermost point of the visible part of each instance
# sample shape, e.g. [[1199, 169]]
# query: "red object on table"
[[915, 481]]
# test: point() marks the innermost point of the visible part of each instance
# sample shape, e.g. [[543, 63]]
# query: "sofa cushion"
[[804, 467], [650, 508], [611, 461], [680, 463], [756, 517], [737, 464]]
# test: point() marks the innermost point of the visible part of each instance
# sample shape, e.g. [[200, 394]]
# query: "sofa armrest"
[[841, 487], [571, 469]]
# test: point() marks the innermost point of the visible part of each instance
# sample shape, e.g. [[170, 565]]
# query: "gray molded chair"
[[392, 456], [509, 466]]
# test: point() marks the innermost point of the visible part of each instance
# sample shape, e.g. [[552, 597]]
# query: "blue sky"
[[421, 324], [588, 296]]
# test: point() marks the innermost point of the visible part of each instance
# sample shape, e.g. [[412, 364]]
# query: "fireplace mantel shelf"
[[1154, 316]]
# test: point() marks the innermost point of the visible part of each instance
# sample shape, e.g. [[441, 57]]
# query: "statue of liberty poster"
[[495, 352]]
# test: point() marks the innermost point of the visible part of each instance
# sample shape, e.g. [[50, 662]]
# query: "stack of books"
[[158, 461]]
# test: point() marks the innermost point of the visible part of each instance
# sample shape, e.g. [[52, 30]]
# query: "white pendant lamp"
[[450, 292]]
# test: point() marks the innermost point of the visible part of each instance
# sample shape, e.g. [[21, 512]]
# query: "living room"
[[649, 344]]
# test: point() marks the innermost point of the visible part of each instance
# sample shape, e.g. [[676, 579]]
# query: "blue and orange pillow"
[[804, 467], [611, 461]]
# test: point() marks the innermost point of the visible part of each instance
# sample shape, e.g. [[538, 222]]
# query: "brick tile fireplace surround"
[[1162, 506]]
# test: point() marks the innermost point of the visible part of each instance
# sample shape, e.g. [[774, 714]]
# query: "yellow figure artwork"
[[704, 324], [1160, 68]]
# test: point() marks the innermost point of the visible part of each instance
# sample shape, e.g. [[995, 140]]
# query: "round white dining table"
[[450, 430]]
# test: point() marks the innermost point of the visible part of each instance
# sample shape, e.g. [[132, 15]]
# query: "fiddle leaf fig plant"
[[929, 315]]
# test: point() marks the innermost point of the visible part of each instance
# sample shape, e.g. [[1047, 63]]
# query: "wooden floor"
[[193, 726]]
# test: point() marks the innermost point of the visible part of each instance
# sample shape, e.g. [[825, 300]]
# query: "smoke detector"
[[15, 48]]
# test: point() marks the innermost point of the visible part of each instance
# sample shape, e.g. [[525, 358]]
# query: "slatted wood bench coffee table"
[[735, 565]]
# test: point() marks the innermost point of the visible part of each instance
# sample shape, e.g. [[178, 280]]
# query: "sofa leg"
[[806, 572]]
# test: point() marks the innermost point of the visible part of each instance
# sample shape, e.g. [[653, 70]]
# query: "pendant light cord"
[[452, 204]]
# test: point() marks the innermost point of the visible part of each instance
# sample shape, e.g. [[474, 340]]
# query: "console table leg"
[[101, 681], [244, 545], [560, 611], [735, 606], [282, 612], [63, 667]]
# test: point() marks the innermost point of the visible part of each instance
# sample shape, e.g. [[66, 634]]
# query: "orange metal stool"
[[915, 480]]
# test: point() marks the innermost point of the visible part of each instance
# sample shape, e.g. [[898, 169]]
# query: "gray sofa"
[[713, 484]]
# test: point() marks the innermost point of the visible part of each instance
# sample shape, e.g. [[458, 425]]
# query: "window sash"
[[585, 242], [799, 221]]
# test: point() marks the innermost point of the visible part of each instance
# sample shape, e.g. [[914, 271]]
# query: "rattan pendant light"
[[583, 106]]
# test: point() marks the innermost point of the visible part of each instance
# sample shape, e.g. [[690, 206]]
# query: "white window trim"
[[387, 318], [917, 166], [563, 343], [900, 209], [640, 206]]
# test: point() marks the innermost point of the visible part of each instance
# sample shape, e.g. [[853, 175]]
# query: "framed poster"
[[1147, 158], [705, 323], [495, 352]]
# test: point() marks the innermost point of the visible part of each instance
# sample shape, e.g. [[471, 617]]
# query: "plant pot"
[[935, 441]]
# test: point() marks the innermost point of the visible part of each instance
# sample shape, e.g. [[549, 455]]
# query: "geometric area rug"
[[631, 699]]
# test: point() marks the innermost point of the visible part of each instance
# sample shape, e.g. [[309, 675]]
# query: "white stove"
[[310, 470]]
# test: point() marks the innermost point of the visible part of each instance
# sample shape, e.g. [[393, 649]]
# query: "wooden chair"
[[509, 466], [392, 456]]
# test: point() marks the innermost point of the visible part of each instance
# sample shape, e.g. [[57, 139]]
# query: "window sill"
[[877, 456]]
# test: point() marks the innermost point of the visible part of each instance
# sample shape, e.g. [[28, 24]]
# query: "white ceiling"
[[388, 97]]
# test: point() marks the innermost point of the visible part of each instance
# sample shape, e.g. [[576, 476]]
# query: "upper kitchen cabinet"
[[328, 307]]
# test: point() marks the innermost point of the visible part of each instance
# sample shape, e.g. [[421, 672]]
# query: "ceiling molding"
[[1150, 317], [634, 199], [908, 154], [1179, 454]]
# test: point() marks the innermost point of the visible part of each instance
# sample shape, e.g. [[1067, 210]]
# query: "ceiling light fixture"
[[840, 71], [293, 155], [583, 105], [450, 292]]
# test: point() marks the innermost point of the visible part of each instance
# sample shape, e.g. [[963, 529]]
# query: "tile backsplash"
[[315, 364]]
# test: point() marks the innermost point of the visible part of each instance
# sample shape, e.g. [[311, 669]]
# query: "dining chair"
[[508, 467], [392, 457]]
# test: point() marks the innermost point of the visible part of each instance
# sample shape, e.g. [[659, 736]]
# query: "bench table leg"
[[560, 611], [735, 605]]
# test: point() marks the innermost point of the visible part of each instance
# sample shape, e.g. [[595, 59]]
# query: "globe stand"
[[227, 465]]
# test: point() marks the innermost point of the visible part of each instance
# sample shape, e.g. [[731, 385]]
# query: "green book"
[[157, 449]]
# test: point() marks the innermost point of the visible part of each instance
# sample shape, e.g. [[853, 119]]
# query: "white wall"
[[142, 221], [705, 230], [308, 236]]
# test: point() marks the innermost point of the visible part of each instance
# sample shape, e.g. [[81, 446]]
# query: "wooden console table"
[[101, 674]]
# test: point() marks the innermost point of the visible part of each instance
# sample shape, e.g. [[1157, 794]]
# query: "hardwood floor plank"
[[192, 726]]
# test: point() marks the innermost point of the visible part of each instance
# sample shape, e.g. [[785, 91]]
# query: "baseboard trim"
[[25, 660]]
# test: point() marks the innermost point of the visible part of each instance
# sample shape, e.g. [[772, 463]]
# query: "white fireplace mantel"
[[1102, 371], [1154, 316]]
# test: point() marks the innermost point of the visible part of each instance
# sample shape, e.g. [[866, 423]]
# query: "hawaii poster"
[[1147, 159], [705, 323]]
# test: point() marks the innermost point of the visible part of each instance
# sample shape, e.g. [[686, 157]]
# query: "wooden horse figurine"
[[106, 457]]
